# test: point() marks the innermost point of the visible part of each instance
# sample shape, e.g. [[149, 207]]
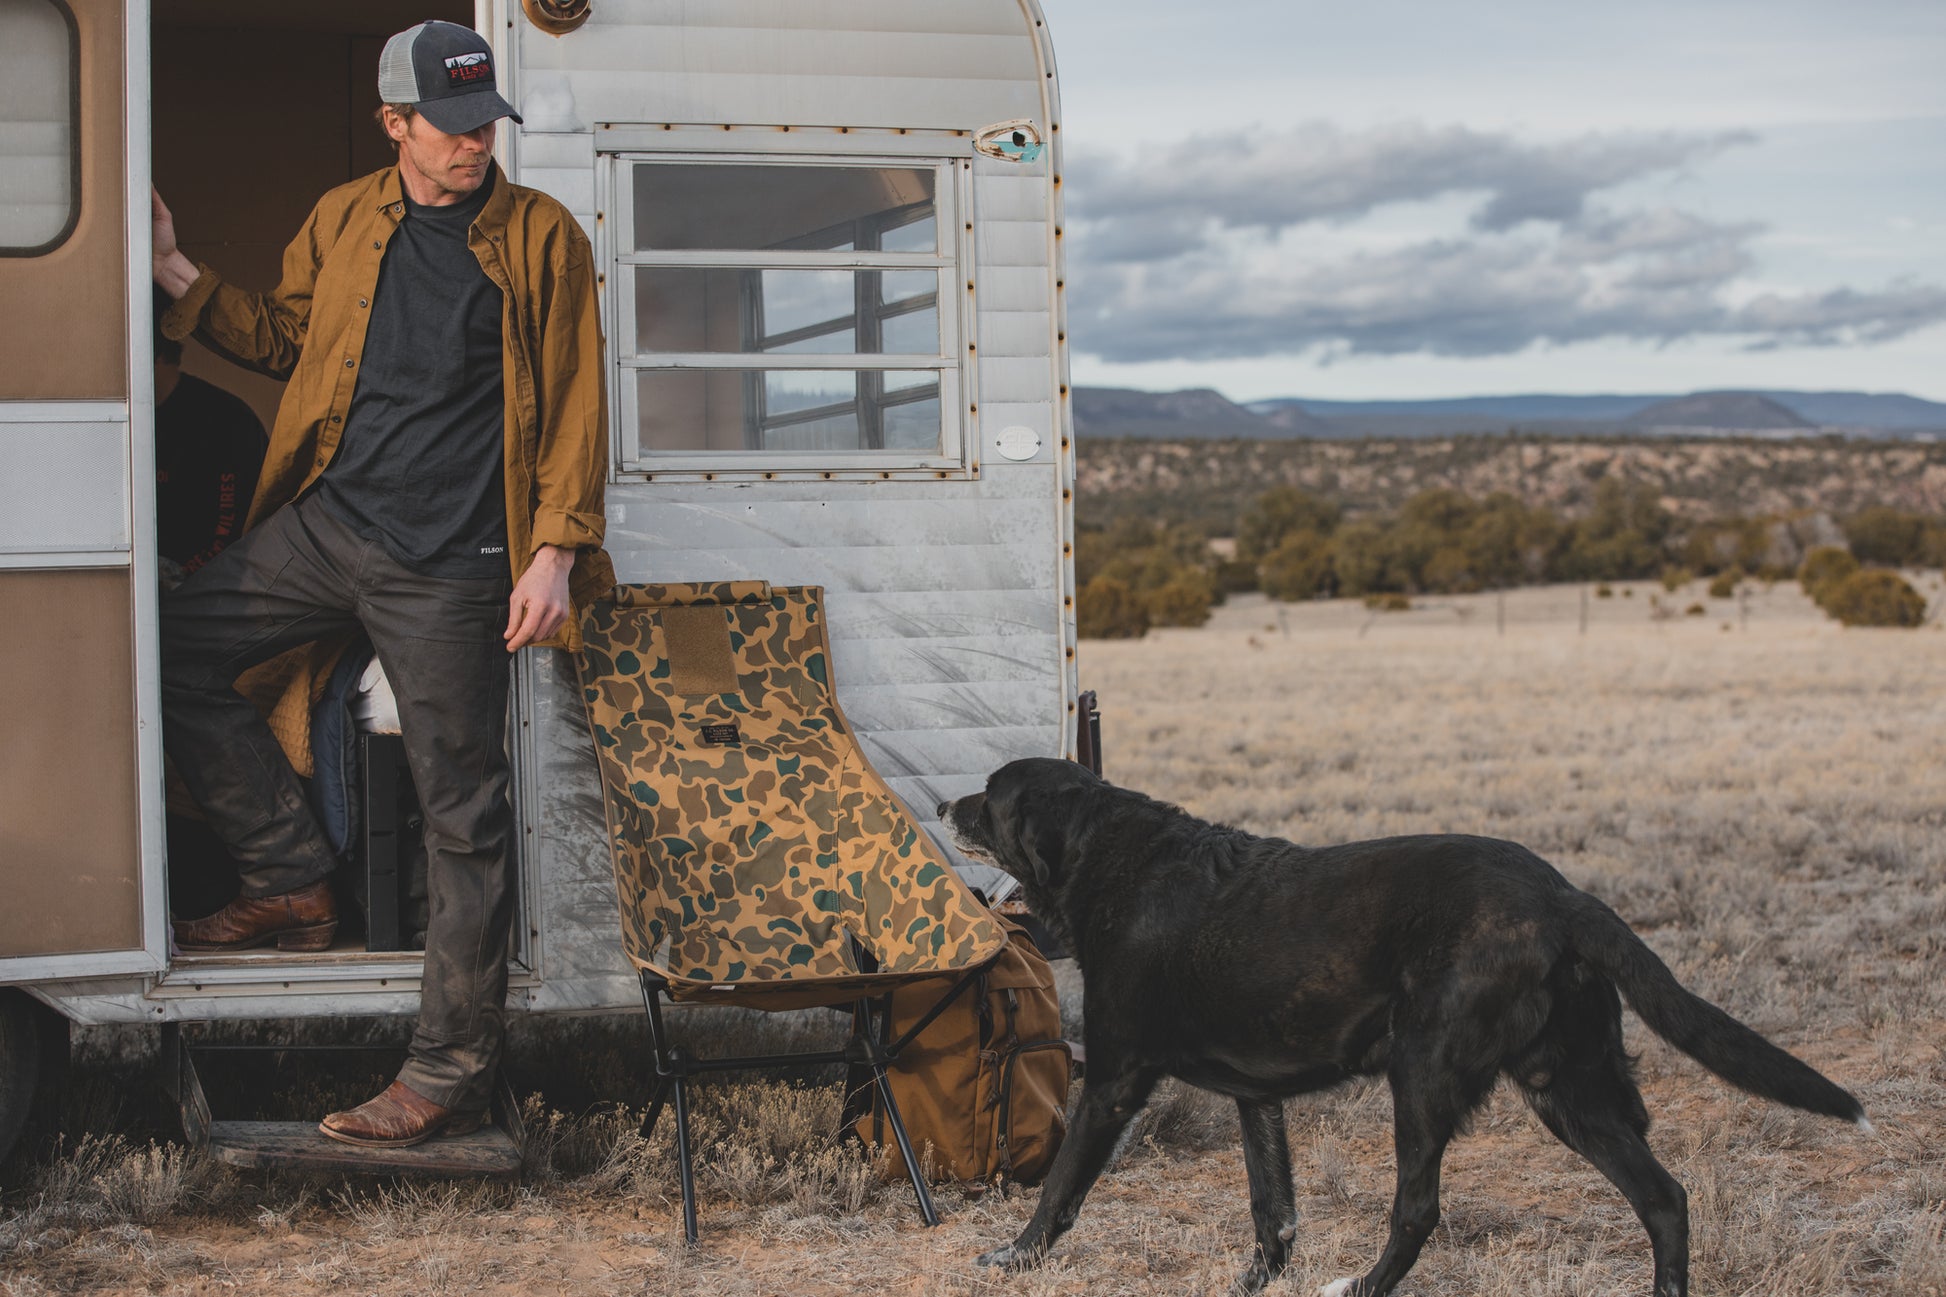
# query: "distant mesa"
[[1201, 414], [1720, 412], [1168, 416]]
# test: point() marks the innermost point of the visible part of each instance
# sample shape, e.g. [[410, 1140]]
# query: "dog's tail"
[[1697, 1027]]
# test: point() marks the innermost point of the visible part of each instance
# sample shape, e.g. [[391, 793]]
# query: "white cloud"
[[1191, 251]]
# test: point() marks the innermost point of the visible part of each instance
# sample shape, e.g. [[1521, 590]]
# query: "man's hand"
[[540, 599], [174, 273]]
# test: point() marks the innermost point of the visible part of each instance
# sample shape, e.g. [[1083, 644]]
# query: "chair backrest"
[[754, 845]]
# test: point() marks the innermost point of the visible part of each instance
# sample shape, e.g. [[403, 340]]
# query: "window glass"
[[788, 308], [911, 333], [760, 206], [37, 162], [788, 410], [919, 234], [686, 309]]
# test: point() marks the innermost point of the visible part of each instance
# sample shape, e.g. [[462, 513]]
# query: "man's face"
[[451, 166]]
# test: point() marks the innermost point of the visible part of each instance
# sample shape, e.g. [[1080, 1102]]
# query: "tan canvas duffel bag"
[[985, 1085]]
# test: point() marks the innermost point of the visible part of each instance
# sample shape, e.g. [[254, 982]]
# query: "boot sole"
[[311, 939]]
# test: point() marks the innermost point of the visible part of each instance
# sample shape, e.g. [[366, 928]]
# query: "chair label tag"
[[721, 736]]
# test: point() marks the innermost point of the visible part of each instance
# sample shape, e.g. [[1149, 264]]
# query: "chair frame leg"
[[672, 1075], [870, 1046], [877, 1058]]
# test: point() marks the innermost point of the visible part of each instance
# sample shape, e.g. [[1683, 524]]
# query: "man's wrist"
[[175, 273], [557, 555]]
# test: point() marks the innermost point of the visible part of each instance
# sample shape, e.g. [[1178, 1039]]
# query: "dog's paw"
[[1007, 1257], [1339, 1287]]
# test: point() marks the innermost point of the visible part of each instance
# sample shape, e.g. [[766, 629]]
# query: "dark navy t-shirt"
[[420, 464]]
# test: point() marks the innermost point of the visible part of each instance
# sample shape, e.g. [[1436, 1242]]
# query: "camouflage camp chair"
[[759, 859]]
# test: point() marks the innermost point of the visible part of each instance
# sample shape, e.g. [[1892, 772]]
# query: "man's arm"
[[260, 331], [571, 472]]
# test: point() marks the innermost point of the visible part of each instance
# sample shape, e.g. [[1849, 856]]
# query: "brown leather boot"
[[398, 1118], [305, 919]]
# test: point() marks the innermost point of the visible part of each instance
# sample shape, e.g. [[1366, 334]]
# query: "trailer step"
[[492, 1152], [300, 1146]]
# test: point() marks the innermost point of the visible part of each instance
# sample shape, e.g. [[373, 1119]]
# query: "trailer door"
[[80, 842]]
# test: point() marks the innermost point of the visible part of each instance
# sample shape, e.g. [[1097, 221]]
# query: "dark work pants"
[[302, 575]]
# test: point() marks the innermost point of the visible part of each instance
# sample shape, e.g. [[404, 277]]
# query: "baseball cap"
[[446, 72]]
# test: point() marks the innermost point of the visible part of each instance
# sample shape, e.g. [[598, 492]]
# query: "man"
[[435, 476]]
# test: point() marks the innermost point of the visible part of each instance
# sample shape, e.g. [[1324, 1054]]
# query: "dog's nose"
[[945, 809]]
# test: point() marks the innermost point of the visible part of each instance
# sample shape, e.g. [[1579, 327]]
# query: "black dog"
[[1259, 969]]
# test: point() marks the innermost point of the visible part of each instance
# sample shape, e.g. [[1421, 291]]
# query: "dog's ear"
[[1047, 848], [1043, 839]]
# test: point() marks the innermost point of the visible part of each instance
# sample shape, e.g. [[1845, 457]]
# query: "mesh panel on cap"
[[397, 83]]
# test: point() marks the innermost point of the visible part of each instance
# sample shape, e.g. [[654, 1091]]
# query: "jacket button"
[[363, 302], [377, 244], [348, 362], [336, 419]]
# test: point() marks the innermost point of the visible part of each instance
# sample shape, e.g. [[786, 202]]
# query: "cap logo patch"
[[464, 69]]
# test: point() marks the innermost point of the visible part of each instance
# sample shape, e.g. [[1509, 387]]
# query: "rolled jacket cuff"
[[180, 320], [569, 530]]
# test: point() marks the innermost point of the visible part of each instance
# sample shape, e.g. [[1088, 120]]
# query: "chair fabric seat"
[[758, 856]]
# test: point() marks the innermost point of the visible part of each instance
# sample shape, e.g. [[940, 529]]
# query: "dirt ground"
[[1755, 789]]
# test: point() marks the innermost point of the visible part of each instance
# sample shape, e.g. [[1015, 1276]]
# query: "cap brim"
[[459, 114]]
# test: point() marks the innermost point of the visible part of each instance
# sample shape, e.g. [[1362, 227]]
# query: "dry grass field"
[[1755, 789]]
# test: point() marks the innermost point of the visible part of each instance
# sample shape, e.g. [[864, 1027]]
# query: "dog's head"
[[1025, 823]]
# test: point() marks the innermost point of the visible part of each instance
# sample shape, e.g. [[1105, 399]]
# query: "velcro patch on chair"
[[700, 661]]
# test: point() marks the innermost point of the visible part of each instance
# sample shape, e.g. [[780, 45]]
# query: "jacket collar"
[[493, 216]]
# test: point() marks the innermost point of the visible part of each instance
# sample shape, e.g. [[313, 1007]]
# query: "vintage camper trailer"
[[829, 244]]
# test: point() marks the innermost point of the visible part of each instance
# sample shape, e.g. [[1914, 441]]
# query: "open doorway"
[[258, 110]]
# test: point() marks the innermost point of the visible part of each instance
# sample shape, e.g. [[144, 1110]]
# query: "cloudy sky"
[[1399, 198]]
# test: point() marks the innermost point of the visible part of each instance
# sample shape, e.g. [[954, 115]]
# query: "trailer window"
[[39, 161], [780, 314]]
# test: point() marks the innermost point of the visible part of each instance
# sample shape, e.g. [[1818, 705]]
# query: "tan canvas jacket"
[[310, 330]]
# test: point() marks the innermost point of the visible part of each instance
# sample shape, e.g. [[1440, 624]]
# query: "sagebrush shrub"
[[1182, 602], [1110, 608], [1875, 597], [1823, 568], [1299, 568]]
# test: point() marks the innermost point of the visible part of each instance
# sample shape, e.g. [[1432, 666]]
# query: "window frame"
[[946, 155], [66, 231]]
